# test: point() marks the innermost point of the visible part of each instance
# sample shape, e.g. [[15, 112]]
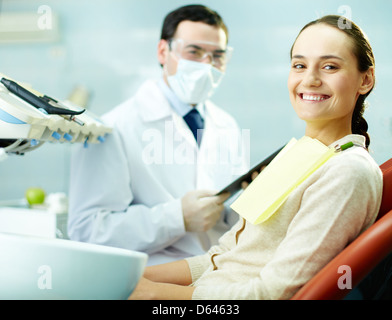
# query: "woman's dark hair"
[[364, 54], [195, 13]]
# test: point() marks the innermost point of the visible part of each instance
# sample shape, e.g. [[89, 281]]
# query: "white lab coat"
[[126, 192]]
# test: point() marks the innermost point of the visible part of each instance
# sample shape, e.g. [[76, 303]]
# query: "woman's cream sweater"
[[272, 260]]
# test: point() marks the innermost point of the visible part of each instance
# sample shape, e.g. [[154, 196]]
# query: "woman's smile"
[[313, 97]]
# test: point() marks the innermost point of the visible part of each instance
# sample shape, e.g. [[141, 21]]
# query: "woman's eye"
[[298, 66], [330, 67]]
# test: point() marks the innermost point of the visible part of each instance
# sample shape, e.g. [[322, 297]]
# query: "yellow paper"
[[296, 162]]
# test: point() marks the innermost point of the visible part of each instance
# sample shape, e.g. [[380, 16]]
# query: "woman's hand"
[[143, 290], [150, 290]]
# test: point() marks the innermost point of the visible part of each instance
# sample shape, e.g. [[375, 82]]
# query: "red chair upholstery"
[[386, 203], [362, 255]]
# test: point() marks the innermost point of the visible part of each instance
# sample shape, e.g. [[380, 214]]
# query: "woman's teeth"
[[312, 97]]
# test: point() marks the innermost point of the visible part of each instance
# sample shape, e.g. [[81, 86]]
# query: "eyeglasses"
[[200, 50]]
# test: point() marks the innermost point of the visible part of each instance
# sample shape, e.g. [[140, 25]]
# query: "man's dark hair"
[[195, 13]]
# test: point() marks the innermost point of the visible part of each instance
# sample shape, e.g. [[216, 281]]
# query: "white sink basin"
[[41, 268]]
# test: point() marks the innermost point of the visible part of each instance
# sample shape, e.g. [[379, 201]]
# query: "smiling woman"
[[328, 82]]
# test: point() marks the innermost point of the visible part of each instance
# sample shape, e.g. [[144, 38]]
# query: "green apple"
[[35, 195]]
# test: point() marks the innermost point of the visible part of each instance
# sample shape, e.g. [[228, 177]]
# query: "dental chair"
[[369, 258]]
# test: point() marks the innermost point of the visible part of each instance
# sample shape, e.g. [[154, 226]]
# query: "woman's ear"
[[368, 80], [162, 51]]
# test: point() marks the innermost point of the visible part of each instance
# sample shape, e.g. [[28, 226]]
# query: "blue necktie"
[[195, 122]]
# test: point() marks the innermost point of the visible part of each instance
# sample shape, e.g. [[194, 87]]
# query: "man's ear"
[[163, 51], [368, 79]]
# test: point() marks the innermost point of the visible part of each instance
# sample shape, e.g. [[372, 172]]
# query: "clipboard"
[[235, 186], [271, 188]]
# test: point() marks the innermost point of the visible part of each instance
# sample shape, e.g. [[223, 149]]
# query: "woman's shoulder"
[[355, 164]]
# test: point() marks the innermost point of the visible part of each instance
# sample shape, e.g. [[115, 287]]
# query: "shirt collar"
[[181, 108], [357, 139]]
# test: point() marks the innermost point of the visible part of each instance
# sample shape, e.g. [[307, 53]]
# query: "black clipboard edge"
[[235, 186]]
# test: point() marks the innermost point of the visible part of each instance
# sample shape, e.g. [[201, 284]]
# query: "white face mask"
[[194, 82]]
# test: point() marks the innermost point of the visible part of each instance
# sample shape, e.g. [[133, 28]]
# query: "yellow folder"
[[296, 162]]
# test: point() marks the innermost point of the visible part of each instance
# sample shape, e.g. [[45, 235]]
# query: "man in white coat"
[[151, 186]]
